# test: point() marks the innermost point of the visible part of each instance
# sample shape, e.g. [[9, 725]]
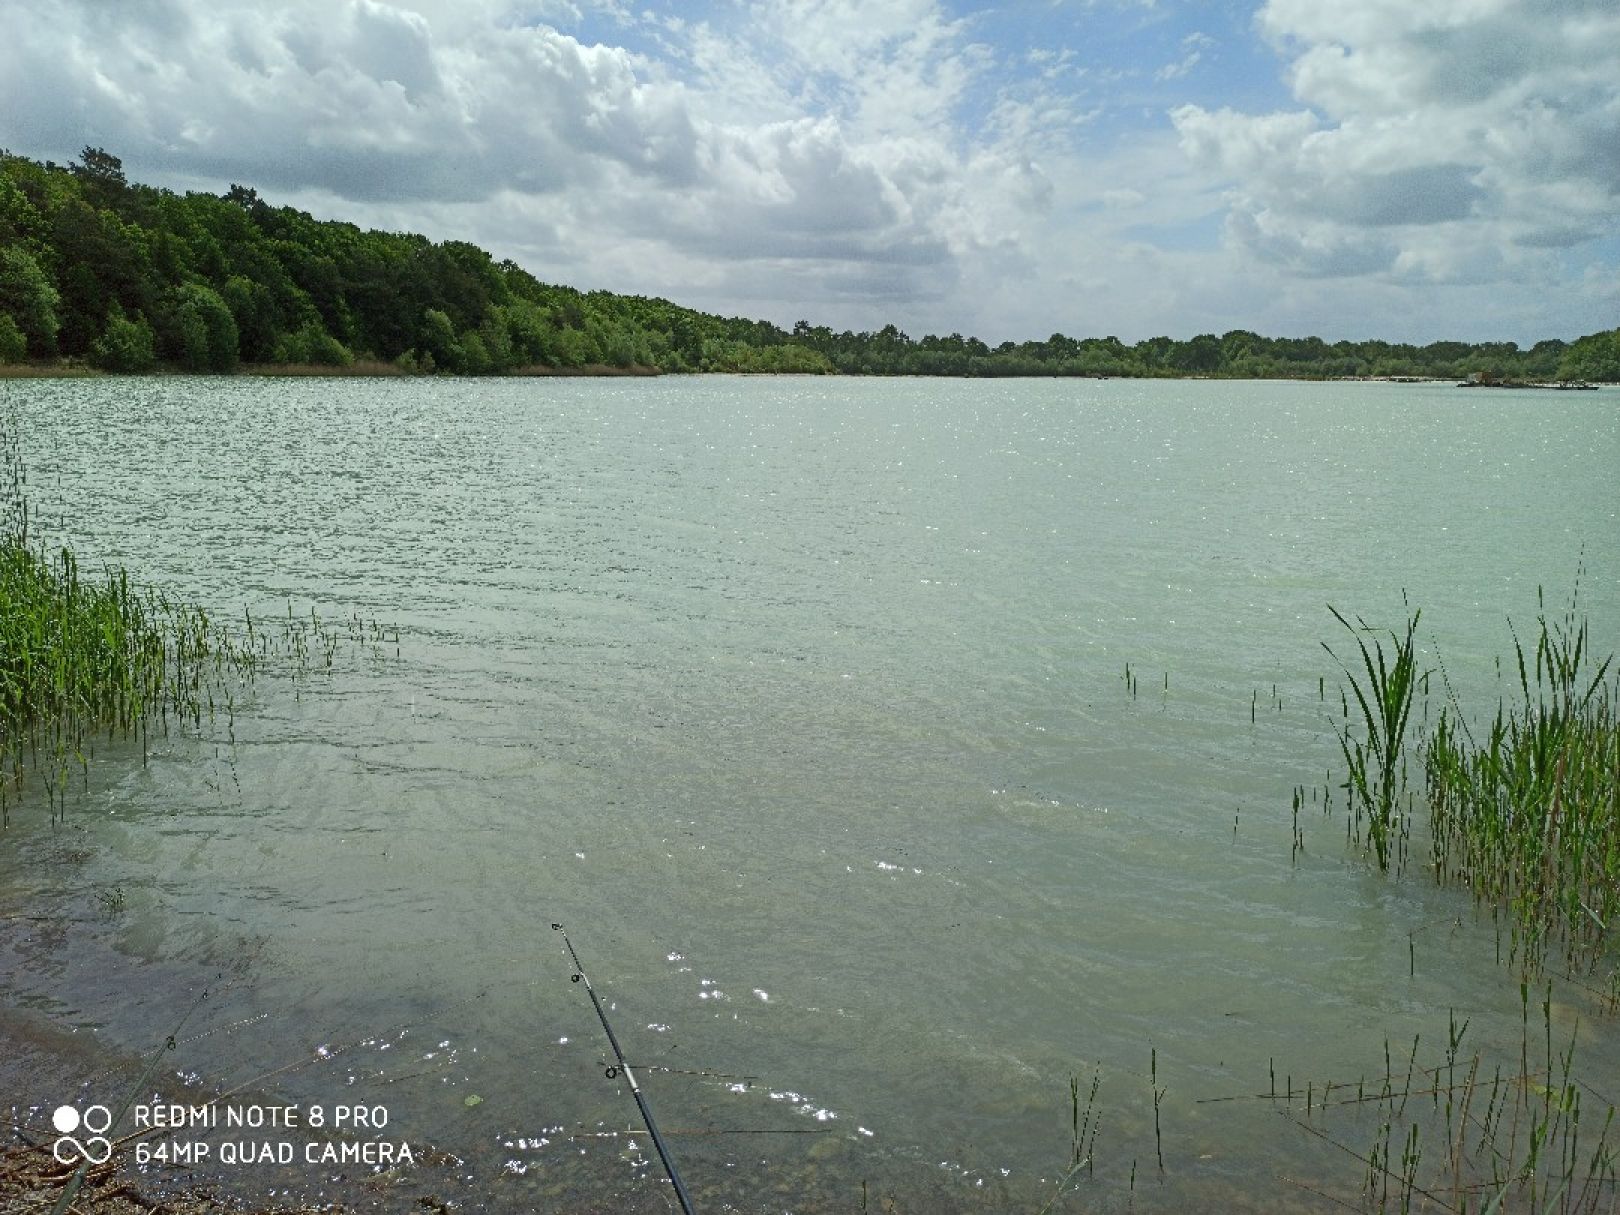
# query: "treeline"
[[1237, 354], [128, 277]]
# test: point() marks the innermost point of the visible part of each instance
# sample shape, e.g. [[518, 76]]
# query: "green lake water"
[[801, 702]]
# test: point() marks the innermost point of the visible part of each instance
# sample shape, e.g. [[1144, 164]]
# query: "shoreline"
[[360, 369], [378, 369], [43, 1064]]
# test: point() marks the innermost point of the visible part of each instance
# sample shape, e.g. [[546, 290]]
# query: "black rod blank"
[[635, 1089]]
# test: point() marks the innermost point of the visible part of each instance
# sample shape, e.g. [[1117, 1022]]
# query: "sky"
[[1410, 170]]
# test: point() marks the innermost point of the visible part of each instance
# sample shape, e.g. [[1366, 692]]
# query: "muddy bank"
[[44, 1066]]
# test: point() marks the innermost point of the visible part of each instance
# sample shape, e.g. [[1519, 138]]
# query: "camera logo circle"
[[96, 1148]]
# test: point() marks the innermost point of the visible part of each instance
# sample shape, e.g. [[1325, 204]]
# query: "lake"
[[803, 704]]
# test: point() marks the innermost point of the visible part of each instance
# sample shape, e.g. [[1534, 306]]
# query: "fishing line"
[[711, 1130], [691, 1071], [76, 1182], [580, 976], [322, 1054]]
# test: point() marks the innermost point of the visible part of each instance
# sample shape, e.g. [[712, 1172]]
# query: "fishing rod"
[[635, 1089]]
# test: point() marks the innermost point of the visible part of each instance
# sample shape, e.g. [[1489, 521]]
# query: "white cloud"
[[1452, 141], [858, 161], [818, 138], [1193, 47], [361, 99]]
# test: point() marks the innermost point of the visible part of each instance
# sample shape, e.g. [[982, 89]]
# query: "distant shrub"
[[198, 330], [126, 345], [310, 343], [13, 345]]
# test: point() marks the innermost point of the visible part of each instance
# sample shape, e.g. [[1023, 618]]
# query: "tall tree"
[[29, 300]]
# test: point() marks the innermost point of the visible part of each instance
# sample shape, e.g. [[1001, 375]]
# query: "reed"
[[1528, 816], [85, 655], [1488, 1139], [81, 655], [1384, 692], [1526, 813], [1158, 1098], [359, 367], [1083, 1127]]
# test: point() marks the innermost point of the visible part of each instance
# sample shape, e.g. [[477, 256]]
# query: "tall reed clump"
[[79, 655], [84, 655], [1528, 817], [1376, 780]]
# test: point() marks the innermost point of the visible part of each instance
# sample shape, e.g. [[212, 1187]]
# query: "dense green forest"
[[97, 270]]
